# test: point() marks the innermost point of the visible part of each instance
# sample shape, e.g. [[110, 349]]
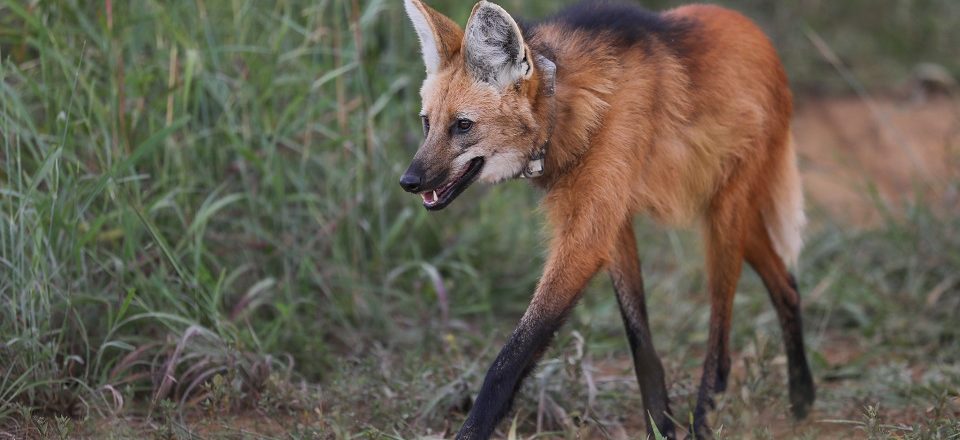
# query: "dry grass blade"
[[167, 378]]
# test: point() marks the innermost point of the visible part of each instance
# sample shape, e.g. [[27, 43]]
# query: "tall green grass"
[[189, 187], [202, 189]]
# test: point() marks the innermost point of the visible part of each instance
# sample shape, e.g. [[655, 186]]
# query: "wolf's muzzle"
[[412, 179]]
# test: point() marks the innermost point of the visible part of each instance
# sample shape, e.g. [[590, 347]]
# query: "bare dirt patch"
[[850, 147]]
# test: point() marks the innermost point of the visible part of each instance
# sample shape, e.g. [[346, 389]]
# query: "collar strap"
[[548, 70]]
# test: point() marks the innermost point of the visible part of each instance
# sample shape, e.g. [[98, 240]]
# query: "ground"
[[899, 147]]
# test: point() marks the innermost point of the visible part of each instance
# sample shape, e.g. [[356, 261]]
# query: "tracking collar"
[[535, 166]]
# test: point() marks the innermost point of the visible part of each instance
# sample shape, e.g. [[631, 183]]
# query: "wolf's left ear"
[[493, 47], [440, 37]]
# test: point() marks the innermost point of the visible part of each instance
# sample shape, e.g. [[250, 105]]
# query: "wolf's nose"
[[410, 182]]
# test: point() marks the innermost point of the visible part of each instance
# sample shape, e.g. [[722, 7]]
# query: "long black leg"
[[802, 390], [558, 291], [782, 288], [627, 280], [724, 262], [515, 361]]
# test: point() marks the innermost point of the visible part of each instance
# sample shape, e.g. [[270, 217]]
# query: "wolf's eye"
[[463, 125], [426, 124]]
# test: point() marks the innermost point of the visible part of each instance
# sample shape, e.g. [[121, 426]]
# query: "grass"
[[199, 220]]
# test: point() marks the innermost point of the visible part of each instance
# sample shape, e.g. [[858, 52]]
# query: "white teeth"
[[429, 197]]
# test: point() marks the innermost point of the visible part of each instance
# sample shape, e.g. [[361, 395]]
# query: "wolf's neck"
[[585, 81], [592, 78]]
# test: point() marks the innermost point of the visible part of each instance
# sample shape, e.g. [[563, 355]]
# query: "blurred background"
[[201, 234]]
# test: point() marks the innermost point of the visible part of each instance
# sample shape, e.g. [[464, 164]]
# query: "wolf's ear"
[[493, 47], [440, 37]]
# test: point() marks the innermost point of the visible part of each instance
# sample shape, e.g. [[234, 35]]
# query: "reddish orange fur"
[[699, 134]]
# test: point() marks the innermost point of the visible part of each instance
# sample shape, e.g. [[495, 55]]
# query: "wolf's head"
[[479, 102]]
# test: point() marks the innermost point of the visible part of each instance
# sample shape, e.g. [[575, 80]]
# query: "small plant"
[[64, 427], [167, 412], [218, 395]]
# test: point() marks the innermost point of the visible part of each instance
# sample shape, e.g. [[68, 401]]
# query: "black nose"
[[410, 182]]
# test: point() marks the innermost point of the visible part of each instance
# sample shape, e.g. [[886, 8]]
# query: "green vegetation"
[[199, 218]]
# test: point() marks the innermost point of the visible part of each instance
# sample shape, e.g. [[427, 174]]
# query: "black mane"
[[629, 24]]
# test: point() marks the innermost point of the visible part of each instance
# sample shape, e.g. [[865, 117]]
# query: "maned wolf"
[[683, 116]]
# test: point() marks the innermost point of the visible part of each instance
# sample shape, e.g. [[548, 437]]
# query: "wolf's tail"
[[784, 216]]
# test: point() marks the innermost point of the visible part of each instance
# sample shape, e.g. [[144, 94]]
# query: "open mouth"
[[441, 197]]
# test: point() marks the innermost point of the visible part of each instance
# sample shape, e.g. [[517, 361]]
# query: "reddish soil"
[[901, 148]]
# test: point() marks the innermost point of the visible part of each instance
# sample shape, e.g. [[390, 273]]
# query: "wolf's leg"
[[555, 296], [585, 230], [627, 280], [782, 288], [723, 233]]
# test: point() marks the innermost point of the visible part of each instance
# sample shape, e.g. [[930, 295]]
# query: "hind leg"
[[782, 288], [628, 283], [724, 242]]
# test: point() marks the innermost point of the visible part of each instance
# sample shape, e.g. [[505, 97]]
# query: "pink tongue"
[[428, 197]]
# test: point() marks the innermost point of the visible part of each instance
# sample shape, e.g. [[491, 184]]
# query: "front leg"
[[628, 284], [554, 298], [577, 253]]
